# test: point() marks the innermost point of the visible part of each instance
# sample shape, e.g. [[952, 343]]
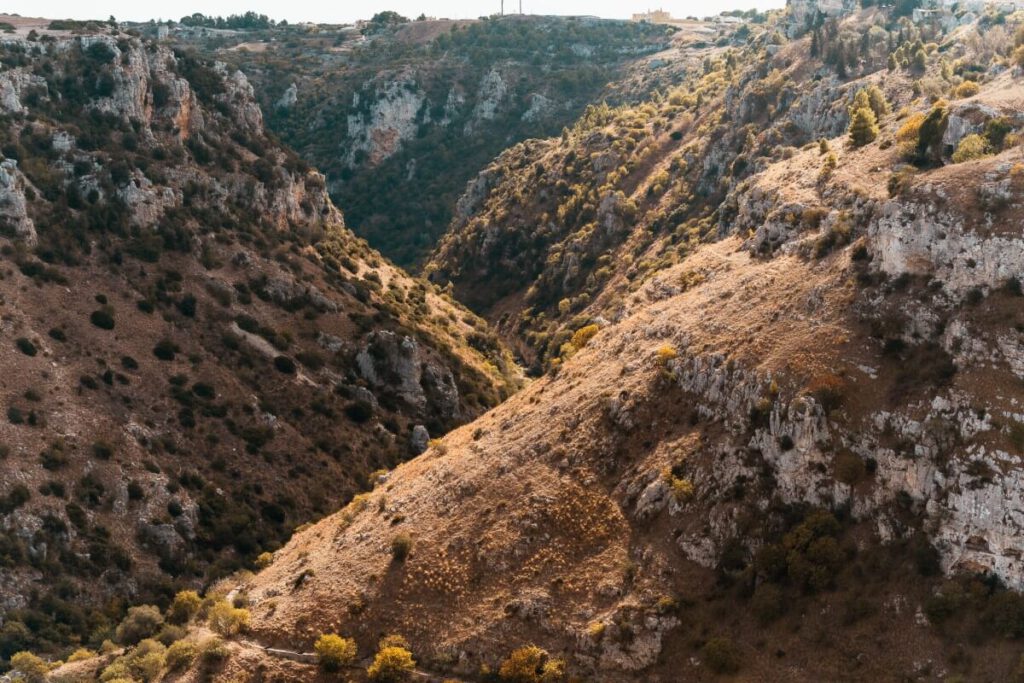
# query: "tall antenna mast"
[[520, 7], [502, 7]]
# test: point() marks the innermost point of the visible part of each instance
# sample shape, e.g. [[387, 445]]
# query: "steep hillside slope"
[[777, 429], [561, 230], [783, 424], [197, 355], [401, 121]]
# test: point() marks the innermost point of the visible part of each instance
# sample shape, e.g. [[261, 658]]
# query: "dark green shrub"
[[102, 318], [26, 346], [722, 656], [141, 622], [284, 364], [401, 546], [166, 350]]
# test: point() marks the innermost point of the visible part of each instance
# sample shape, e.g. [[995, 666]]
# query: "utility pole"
[[502, 7], [520, 7]]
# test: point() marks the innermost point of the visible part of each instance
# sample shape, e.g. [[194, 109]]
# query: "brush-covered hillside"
[[197, 356], [401, 116], [775, 315]]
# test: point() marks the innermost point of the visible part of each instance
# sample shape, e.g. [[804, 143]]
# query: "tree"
[[929, 136], [863, 126], [876, 98], [920, 60]]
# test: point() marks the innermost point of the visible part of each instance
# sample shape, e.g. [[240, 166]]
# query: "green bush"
[[181, 654], [33, 669], [102, 318], [226, 620], [26, 346], [284, 364], [971, 147], [141, 622], [184, 606], [166, 350], [391, 664]]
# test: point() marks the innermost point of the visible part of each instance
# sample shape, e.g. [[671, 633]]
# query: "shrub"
[[359, 411], [284, 364], [911, 129], [966, 89], [848, 467], [226, 620], [26, 346], [391, 664], [170, 634], [401, 545], [531, 664], [102, 319], [213, 652], [165, 349], [141, 622], [971, 147], [334, 652], [181, 654], [33, 669], [667, 353], [582, 336], [264, 559], [184, 606], [682, 489], [827, 390], [722, 656], [81, 654], [146, 661]]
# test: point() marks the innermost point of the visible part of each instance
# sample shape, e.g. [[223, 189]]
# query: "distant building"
[[658, 16], [163, 31]]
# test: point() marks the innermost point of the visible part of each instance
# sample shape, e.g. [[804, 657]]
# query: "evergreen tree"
[[863, 126], [920, 60]]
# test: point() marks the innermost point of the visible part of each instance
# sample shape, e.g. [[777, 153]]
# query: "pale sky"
[[319, 11]]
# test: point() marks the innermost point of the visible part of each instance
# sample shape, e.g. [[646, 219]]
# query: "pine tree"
[[815, 47], [920, 60], [876, 98], [863, 126]]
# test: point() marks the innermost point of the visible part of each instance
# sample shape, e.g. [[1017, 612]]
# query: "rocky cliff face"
[[186, 333], [414, 112]]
